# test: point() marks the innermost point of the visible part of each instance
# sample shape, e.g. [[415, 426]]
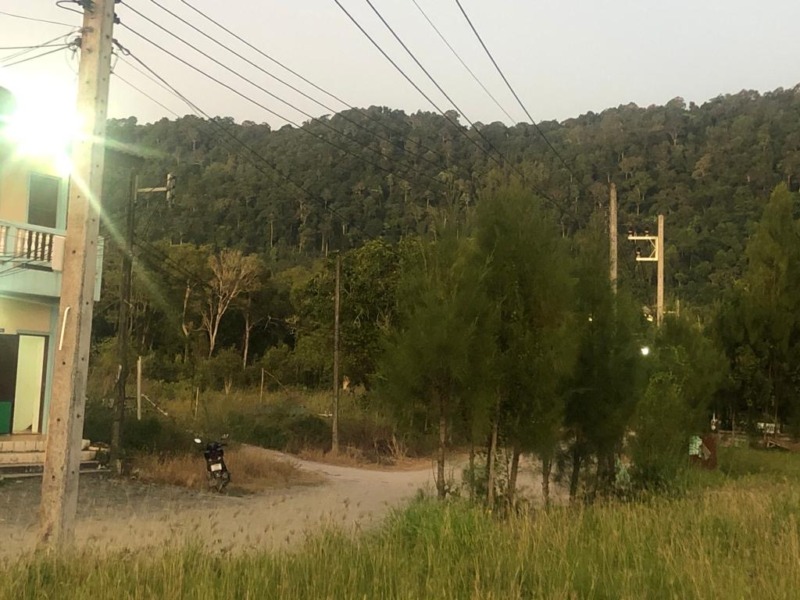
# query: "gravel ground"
[[118, 514]]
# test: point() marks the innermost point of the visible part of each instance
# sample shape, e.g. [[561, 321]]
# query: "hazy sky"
[[564, 58]]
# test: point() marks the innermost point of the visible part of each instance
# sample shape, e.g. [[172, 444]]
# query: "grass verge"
[[738, 538]]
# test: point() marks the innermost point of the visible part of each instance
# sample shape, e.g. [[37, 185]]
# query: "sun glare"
[[43, 123]]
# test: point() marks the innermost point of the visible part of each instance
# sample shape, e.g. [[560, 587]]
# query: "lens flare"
[[43, 124]]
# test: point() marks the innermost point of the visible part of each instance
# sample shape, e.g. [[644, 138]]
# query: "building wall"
[[19, 316], [15, 186]]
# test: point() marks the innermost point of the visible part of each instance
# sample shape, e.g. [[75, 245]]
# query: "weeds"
[[251, 470], [737, 538]]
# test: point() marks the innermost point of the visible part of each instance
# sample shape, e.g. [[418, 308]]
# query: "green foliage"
[[435, 363], [222, 370], [152, 434], [759, 324], [285, 426], [436, 353], [528, 281], [607, 381], [659, 448], [687, 371]]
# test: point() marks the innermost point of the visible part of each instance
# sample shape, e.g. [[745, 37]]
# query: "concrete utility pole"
[[612, 236], [335, 424], [656, 255], [65, 422], [660, 289], [124, 304]]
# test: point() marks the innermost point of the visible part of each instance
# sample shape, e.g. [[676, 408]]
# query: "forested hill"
[[380, 172]]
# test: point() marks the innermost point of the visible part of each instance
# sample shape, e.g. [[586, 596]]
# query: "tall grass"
[[738, 538], [251, 470]]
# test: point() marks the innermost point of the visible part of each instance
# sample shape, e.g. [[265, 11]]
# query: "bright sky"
[[563, 58]]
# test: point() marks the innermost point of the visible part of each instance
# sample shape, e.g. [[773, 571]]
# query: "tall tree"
[[232, 275], [530, 283], [435, 361], [766, 355], [605, 385]]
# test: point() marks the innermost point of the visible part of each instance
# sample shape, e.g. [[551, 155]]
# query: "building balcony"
[[32, 260]]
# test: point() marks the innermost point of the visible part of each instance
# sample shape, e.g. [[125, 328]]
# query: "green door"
[[9, 351]]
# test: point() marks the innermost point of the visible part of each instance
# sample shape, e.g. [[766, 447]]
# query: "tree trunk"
[[472, 468], [246, 345], [605, 474], [547, 467], [441, 488], [512, 475], [574, 479], [490, 461], [184, 325]]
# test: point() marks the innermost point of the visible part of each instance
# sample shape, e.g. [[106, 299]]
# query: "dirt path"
[[116, 515]]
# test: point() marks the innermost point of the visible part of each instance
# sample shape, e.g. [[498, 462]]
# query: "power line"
[[292, 87], [463, 64], [225, 141], [438, 87], [43, 54], [8, 14], [145, 94], [416, 87], [247, 147], [500, 71], [31, 47], [262, 106], [545, 196], [366, 113]]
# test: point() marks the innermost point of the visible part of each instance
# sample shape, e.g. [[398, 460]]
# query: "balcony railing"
[[29, 246]]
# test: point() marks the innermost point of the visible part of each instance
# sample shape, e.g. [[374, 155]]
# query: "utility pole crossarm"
[[657, 256], [652, 240]]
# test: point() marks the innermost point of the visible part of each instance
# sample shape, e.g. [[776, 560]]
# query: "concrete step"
[[29, 444], [17, 471], [35, 458]]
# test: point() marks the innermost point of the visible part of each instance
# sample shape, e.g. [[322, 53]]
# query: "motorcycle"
[[216, 470]]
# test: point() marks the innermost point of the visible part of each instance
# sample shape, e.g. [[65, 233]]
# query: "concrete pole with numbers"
[[65, 421]]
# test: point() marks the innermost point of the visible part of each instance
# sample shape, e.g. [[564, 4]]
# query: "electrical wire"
[[524, 108], [263, 106], [8, 14], [463, 63], [203, 126], [251, 152], [365, 113], [29, 49], [411, 81], [439, 87], [43, 54], [146, 95], [297, 90], [60, 4], [20, 264], [460, 129]]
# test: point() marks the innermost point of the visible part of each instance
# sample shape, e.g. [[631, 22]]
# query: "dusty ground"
[[115, 514]]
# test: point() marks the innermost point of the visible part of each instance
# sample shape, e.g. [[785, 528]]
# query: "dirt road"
[[115, 515]]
